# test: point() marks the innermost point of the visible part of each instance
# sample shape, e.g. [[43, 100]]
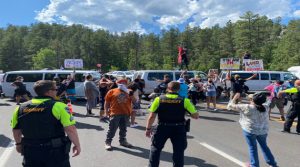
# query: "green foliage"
[[45, 58], [47, 45]]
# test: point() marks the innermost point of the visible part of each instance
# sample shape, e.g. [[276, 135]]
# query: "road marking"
[[223, 154], [6, 154]]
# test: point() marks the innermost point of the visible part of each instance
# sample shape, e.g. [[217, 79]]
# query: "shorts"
[[211, 94], [279, 102]]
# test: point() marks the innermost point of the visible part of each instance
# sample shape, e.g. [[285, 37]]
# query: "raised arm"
[[253, 76]]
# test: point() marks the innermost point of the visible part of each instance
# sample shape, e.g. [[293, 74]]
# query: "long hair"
[[260, 108]]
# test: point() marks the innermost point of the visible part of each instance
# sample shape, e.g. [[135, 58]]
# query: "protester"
[[211, 93], [237, 85], [274, 89], [70, 91], [104, 85], [39, 128], [163, 85], [20, 91], [118, 107], [91, 94], [193, 87], [170, 109], [183, 91], [134, 91], [254, 122], [182, 57]]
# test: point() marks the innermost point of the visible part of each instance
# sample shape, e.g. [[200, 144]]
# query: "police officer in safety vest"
[[171, 110], [39, 128], [294, 112]]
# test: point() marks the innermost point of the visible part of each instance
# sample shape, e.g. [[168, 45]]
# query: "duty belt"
[[171, 124], [54, 143]]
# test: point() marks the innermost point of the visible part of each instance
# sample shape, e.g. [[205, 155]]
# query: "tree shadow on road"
[[4, 141], [165, 156], [216, 119], [80, 125], [5, 104]]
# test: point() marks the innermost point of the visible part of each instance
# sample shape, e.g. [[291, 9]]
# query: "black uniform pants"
[[177, 135], [290, 117], [45, 157]]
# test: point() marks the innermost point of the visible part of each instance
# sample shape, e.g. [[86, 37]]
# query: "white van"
[[150, 77], [30, 77], [263, 79], [295, 70]]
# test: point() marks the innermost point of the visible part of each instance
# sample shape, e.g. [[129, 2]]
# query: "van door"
[[264, 80], [79, 82], [151, 80], [252, 84]]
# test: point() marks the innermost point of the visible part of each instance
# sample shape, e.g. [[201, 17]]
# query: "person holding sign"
[[237, 85]]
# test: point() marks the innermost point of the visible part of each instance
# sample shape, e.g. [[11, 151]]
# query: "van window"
[[275, 77], [32, 77], [244, 75], [288, 76], [264, 76], [49, 76], [79, 77], [62, 76], [152, 76], [177, 75]]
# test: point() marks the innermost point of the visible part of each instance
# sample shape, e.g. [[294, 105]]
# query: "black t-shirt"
[[163, 86], [237, 85], [71, 85]]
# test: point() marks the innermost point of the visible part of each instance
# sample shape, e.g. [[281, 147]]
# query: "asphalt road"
[[215, 140]]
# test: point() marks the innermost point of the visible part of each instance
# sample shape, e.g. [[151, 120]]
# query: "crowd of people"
[[120, 102]]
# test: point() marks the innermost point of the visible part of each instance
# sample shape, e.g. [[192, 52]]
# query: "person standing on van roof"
[[164, 83], [294, 112], [39, 128], [170, 109], [91, 93], [182, 57], [20, 90], [237, 85]]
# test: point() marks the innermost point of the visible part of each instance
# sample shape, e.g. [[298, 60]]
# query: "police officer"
[[170, 109], [39, 128], [295, 110]]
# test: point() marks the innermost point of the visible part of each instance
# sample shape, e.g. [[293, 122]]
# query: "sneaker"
[[126, 144], [90, 114], [108, 147], [215, 109], [282, 118]]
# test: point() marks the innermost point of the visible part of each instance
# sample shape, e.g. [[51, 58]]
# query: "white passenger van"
[[295, 70], [150, 77], [30, 77], [263, 79]]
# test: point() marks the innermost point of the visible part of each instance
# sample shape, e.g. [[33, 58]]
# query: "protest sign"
[[253, 65], [230, 63], [73, 63]]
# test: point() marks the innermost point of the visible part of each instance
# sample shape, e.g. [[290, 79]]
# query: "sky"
[[142, 16]]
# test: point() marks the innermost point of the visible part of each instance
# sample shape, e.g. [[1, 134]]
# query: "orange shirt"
[[120, 102]]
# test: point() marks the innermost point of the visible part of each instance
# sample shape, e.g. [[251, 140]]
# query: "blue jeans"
[[262, 140]]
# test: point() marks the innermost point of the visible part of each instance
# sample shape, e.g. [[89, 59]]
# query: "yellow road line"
[[224, 107]]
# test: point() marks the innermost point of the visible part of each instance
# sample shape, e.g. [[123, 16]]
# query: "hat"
[[122, 81], [180, 80], [258, 98]]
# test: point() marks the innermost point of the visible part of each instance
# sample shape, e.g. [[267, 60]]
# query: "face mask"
[[22, 80]]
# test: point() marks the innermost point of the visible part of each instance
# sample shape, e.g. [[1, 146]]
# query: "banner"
[[230, 63], [73, 63], [253, 65]]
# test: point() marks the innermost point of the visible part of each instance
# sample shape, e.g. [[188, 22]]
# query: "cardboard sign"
[[253, 65], [73, 63], [230, 63]]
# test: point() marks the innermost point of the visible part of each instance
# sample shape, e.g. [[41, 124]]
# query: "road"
[[215, 140]]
